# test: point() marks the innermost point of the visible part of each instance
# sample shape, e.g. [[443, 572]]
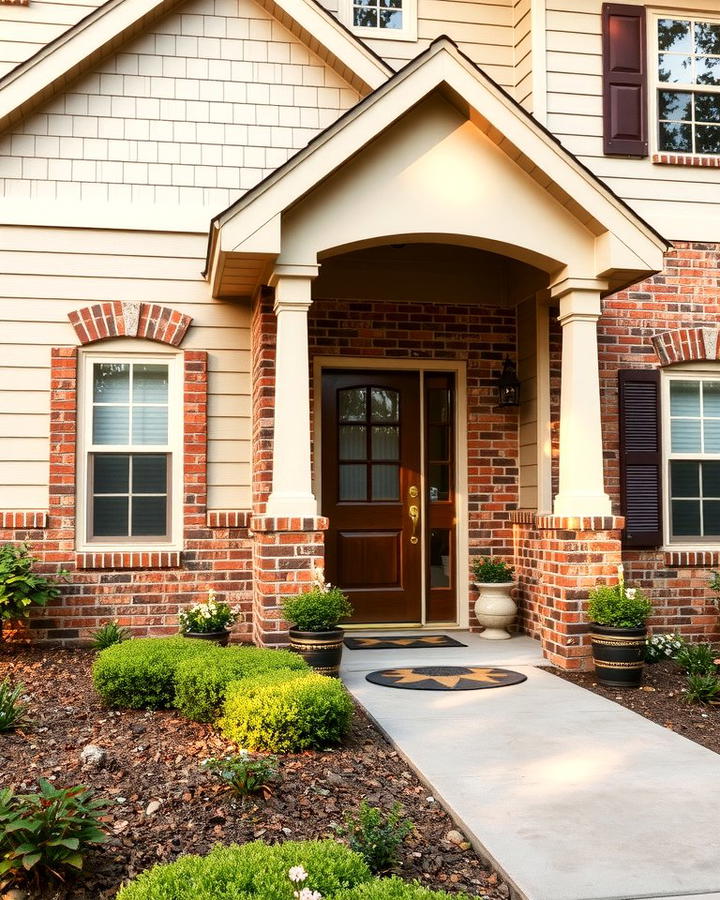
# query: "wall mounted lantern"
[[508, 385]]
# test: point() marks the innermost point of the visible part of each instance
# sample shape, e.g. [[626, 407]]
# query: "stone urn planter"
[[221, 638], [495, 609]]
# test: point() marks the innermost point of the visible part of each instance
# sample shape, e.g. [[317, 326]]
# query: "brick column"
[[559, 560], [285, 551]]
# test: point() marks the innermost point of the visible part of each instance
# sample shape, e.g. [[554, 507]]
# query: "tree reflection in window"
[[382, 14]]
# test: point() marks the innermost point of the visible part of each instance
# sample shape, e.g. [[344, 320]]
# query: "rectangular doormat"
[[402, 641]]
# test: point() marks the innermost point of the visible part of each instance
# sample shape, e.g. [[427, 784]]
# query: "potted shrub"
[[314, 617], [208, 621], [618, 632], [20, 587], [494, 607]]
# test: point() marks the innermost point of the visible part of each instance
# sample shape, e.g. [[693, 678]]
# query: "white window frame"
[[688, 372], [174, 448], [697, 14], [407, 33]]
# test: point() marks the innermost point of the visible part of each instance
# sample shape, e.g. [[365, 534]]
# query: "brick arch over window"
[[125, 319], [686, 345]]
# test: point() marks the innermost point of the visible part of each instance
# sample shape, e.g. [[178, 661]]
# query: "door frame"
[[459, 369]]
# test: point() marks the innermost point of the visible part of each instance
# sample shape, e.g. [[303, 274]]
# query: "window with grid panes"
[[693, 459], [688, 85], [130, 453]]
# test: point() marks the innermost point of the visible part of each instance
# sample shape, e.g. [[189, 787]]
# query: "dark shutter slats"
[[624, 80], [641, 456]]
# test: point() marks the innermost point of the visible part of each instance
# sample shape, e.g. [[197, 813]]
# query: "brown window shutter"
[[624, 80], [641, 457]]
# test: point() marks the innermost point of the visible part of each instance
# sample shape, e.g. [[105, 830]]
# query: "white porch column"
[[292, 494], [582, 485]]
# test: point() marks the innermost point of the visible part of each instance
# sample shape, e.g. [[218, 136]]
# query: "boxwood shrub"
[[140, 674], [286, 712], [392, 889], [200, 683], [252, 870]]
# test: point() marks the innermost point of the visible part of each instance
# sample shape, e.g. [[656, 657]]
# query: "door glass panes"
[[689, 55], [369, 435], [438, 444], [129, 495], [439, 481], [440, 558]]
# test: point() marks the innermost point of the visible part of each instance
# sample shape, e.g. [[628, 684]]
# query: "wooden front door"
[[387, 542]]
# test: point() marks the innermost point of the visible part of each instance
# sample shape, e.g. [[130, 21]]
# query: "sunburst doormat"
[[446, 678], [403, 641]]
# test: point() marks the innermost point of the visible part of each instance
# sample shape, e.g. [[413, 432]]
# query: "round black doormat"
[[446, 678]]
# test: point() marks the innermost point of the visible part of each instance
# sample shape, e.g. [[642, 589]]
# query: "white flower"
[[297, 873], [307, 894], [630, 593]]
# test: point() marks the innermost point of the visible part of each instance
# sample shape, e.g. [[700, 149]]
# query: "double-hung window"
[[395, 19], [131, 453], [692, 442], [688, 85]]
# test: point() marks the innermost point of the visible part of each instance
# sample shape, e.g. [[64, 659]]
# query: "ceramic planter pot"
[[221, 638], [495, 609], [618, 654], [320, 649]]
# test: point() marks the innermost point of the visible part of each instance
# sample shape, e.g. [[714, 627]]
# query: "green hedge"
[[200, 684], [286, 712], [254, 870], [392, 889], [140, 674]]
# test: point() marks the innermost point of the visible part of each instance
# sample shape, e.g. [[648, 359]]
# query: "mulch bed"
[[155, 756], [661, 700]]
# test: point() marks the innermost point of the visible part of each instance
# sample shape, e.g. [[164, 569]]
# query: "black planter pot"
[[618, 654], [218, 637], [320, 649]]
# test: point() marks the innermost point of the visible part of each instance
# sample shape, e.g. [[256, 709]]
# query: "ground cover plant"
[[21, 586], [13, 706], [243, 773], [377, 836], [164, 804], [108, 634]]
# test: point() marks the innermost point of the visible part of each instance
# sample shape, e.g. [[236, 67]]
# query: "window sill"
[[406, 36], [128, 559], [692, 559], [680, 159]]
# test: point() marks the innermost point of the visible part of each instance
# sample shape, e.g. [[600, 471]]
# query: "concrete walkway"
[[572, 796]]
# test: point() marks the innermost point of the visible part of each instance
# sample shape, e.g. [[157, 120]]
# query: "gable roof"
[[109, 26], [442, 66]]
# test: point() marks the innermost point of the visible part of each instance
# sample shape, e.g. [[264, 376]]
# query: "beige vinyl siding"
[[522, 47], [190, 115], [26, 29], [50, 272], [483, 31], [681, 202]]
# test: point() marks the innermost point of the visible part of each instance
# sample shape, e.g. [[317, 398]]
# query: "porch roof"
[[556, 214]]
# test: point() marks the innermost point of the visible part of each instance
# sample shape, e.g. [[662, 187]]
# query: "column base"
[[292, 506]]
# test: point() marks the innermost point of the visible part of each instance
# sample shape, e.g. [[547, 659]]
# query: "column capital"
[[293, 290], [577, 285]]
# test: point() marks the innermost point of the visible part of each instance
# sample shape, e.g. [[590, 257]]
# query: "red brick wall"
[[141, 590], [482, 337], [685, 295]]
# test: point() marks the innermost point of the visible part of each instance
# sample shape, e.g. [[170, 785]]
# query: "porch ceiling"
[[438, 155]]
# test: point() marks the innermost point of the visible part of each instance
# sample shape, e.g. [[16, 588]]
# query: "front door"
[[386, 487]]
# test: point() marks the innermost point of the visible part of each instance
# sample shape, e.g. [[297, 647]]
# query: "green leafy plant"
[[489, 570], [20, 587], [45, 835], [206, 617], [140, 673], [618, 606], [286, 712], [254, 870], [392, 888], [377, 836], [697, 659], [201, 682], [714, 585], [663, 646], [244, 774], [317, 610], [13, 708], [108, 634], [702, 688]]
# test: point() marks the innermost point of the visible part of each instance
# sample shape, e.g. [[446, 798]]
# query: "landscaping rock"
[[454, 837], [92, 756], [152, 807]]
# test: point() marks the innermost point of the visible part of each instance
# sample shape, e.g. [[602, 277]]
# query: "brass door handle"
[[414, 512]]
